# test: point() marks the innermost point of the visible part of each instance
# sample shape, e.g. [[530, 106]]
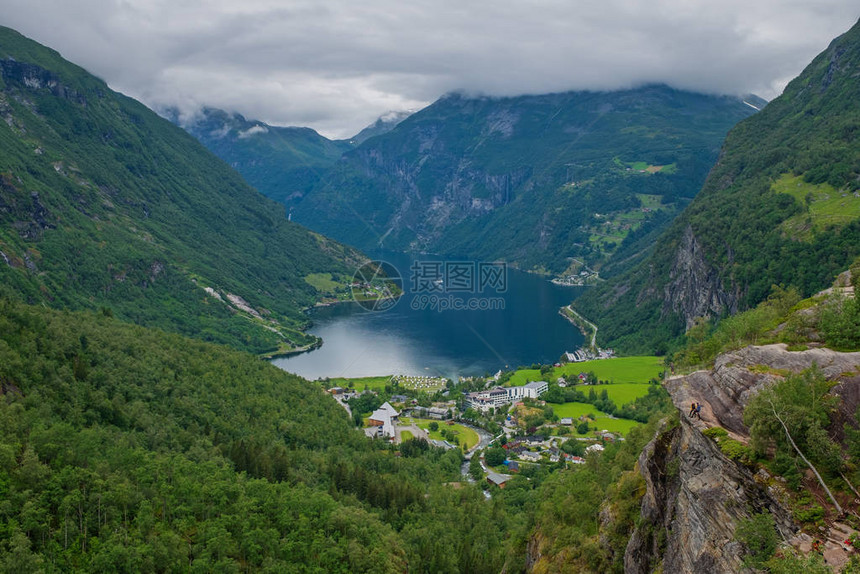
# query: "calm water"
[[410, 340]]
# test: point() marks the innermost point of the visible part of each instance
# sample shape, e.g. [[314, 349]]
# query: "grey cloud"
[[336, 65]]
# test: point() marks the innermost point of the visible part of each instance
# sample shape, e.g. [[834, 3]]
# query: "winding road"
[[587, 322]]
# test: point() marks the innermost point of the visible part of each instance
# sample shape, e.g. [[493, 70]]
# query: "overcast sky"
[[336, 65]]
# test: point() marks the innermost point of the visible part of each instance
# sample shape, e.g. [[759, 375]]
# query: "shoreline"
[[284, 353], [576, 319]]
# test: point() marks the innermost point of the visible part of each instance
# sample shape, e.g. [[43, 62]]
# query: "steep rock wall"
[[695, 497], [695, 288]]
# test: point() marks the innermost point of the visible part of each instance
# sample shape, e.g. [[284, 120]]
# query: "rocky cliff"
[[695, 288], [695, 495], [725, 390]]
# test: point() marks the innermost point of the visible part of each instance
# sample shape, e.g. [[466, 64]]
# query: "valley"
[[538, 182], [195, 377], [412, 339]]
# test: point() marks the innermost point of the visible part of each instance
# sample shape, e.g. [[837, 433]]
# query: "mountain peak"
[[383, 124]]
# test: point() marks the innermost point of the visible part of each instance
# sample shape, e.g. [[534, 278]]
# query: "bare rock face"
[[737, 376], [695, 497], [695, 288]]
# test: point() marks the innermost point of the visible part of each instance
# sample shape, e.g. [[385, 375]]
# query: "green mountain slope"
[[283, 163], [126, 449], [534, 180], [781, 206], [105, 204]]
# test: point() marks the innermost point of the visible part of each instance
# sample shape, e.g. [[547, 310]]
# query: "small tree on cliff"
[[793, 414]]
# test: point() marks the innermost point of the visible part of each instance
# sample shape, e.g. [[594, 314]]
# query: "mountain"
[[781, 207], [537, 181], [284, 163], [127, 449], [384, 124], [103, 204]]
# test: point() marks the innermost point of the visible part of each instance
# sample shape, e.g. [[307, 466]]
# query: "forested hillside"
[[105, 204], [125, 449], [781, 206], [535, 180]]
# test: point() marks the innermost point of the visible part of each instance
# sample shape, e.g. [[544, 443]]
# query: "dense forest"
[[138, 434], [126, 449]]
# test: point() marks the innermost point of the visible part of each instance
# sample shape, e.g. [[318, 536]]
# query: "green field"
[[639, 369], [575, 410], [620, 393], [601, 421], [519, 378], [639, 166], [826, 205], [372, 383], [621, 426], [405, 435], [650, 201], [323, 282], [468, 437]]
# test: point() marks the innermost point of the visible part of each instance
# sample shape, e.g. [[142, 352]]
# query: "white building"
[[527, 391], [536, 388], [499, 396], [383, 419], [485, 400]]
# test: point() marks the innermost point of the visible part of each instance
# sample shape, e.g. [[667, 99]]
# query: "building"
[[384, 418], [485, 400], [530, 455], [567, 421], [498, 479], [500, 396], [527, 391], [536, 389]]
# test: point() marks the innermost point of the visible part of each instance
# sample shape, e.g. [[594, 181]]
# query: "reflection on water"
[[408, 339]]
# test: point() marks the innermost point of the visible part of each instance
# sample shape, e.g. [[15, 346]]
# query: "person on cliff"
[[699, 411], [692, 409]]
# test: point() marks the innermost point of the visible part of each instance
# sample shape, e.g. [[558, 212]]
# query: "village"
[[496, 429], [584, 277]]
